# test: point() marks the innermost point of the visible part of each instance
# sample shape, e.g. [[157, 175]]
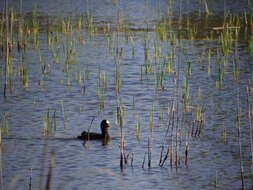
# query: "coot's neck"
[[104, 131]]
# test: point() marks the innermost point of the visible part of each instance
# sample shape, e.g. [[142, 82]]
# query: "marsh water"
[[161, 67]]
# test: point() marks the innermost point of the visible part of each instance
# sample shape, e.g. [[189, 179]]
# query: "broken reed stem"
[[132, 159], [171, 121], [121, 160], [165, 157], [50, 172], [149, 153], [90, 127], [1, 170], [161, 156], [177, 147], [1, 141], [171, 156], [250, 108], [144, 159], [126, 156], [122, 154], [30, 180], [7, 49], [121, 148], [186, 154]]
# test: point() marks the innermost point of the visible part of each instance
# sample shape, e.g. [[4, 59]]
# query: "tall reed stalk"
[[250, 115], [238, 126]]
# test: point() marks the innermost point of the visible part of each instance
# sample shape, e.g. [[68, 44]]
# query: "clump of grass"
[[226, 39]]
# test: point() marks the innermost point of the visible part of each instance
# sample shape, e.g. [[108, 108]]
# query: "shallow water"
[[213, 163]]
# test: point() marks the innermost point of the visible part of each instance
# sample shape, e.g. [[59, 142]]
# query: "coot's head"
[[105, 124]]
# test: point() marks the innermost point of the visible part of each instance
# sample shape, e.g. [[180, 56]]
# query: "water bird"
[[104, 135]]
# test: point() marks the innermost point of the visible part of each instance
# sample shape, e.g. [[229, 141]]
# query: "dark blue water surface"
[[214, 161]]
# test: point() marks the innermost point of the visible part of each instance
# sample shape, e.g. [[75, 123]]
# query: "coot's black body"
[[104, 135]]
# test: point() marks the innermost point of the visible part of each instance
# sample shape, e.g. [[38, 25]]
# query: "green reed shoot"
[[80, 23], [120, 115], [209, 63], [66, 26], [151, 119], [101, 88], [145, 45], [24, 75], [70, 53], [161, 31], [224, 135], [236, 70], [4, 125], [169, 62], [56, 56], [199, 113], [50, 123], [63, 114], [186, 92], [35, 27], [1, 136], [117, 79], [250, 42], [102, 81], [160, 78], [138, 129], [238, 127]]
